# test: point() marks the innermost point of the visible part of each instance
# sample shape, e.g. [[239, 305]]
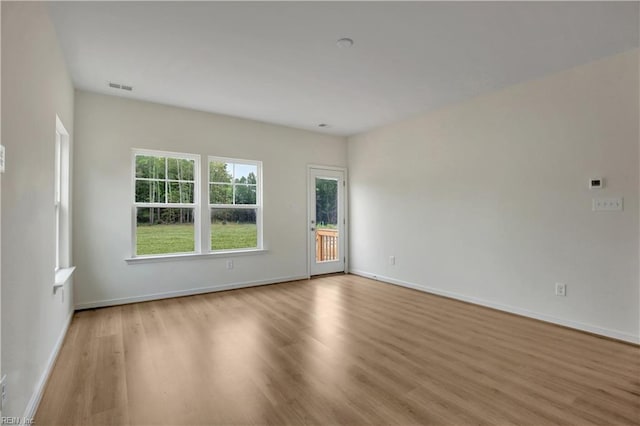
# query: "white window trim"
[[62, 276], [62, 206], [196, 206], [194, 256], [257, 206], [202, 211]]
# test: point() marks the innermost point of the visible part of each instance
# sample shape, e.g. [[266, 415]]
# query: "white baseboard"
[[32, 405], [188, 292], [619, 335]]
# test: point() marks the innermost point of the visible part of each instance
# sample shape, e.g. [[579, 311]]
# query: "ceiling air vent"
[[120, 86]]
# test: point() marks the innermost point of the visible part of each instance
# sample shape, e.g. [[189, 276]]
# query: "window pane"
[[220, 172], [162, 231], [150, 191], [245, 173], [220, 193], [233, 229], [180, 169], [245, 194], [180, 192], [58, 169], [150, 167], [326, 203], [143, 193]]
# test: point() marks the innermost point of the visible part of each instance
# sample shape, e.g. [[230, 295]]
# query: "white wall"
[[108, 127], [35, 87], [487, 200], [0, 210]]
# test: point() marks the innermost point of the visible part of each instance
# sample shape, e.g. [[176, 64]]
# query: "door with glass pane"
[[326, 221]]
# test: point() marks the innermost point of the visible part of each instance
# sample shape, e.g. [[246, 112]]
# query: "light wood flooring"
[[334, 350]]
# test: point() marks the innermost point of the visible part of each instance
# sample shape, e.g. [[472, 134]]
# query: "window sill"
[[62, 276], [192, 256]]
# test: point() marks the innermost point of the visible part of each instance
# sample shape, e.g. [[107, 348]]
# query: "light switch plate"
[[1, 158], [607, 204]]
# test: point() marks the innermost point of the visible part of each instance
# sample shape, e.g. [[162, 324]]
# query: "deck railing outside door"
[[326, 244]]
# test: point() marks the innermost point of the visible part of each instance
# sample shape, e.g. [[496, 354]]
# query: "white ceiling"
[[278, 62]]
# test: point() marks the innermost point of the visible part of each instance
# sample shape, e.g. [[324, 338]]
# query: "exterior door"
[[326, 221]]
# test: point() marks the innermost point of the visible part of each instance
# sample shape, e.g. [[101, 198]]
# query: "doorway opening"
[[327, 222]]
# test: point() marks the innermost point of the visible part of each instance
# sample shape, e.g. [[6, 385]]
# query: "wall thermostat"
[[595, 183]]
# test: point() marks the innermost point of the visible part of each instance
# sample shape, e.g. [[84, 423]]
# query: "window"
[[235, 203], [57, 200], [166, 203], [61, 197], [168, 217]]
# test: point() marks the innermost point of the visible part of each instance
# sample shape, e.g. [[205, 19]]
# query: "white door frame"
[[346, 214]]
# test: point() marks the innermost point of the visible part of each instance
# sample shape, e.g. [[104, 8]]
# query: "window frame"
[[57, 197], [258, 205], [195, 206], [62, 270], [61, 197]]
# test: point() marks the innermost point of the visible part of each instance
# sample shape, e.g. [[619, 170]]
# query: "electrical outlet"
[[2, 158], [561, 289], [607, 204], [596, 183], [229, 264], [392, 260], [3, 391]]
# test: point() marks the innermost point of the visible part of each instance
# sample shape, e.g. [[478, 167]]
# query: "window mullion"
[[165, 205], [234, 206], [166, 180], [205, 218]]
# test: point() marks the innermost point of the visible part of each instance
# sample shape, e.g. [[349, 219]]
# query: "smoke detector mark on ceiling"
[[120, 86]]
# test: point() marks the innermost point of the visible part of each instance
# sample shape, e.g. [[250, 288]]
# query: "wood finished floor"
[[334, 350]]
